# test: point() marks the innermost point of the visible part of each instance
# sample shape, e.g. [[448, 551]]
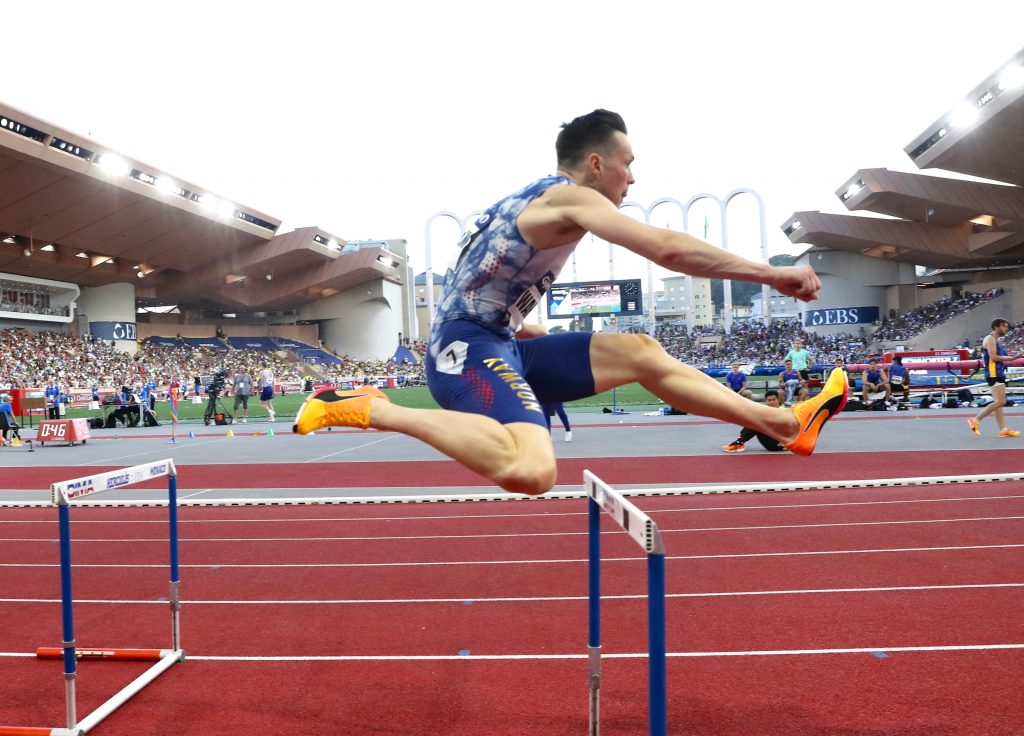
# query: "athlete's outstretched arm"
[[676, 251]]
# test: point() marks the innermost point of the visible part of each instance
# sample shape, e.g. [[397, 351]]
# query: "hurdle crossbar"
[[62, 495], [691, 490], [644, 532]]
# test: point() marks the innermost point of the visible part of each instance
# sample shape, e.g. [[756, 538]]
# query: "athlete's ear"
[[595, 164]]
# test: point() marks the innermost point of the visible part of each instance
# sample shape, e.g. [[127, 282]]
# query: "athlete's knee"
[[528, 475]]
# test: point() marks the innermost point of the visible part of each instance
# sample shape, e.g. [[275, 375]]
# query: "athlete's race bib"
[[527, 301]]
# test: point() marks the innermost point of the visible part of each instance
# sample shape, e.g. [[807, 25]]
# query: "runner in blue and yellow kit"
[[491, 371], [995, 357]]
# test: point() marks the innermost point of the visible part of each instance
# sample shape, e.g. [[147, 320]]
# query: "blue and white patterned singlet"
[[500, 277]]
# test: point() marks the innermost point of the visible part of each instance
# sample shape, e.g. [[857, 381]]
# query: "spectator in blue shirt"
[[52, 395], [7, 423], [737, 381]]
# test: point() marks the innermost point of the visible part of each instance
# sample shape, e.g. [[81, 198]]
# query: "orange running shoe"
[[812, 414], [1009, 433], [331, 408], [734, 447], [974, 426]]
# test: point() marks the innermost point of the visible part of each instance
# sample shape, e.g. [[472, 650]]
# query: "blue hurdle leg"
[[594, 638], [67, 614], [656, 643], [175, 594]]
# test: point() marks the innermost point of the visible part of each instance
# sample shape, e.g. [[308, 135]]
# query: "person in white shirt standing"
[[267, 390]]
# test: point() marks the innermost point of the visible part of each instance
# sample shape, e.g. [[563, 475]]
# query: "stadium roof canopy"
[[938, 221], [74, 210]]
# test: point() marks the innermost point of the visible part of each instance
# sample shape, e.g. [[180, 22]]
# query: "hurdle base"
[[21, 731], [172, 657], [129, 655]]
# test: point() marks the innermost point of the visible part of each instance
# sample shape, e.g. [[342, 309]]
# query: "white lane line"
[[604, 655], [539, 515], [415, 537], [530, 599], [156, 452], [456, 563], [390, 436], [180, 498]]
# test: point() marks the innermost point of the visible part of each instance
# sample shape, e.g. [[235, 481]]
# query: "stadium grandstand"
[[99, 248], [925, 239]]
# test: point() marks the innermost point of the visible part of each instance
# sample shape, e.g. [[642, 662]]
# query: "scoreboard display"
[[595, 299]]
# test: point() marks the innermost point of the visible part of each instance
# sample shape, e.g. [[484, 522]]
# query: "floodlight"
[[167, 185], [964, 115], [225, 209], [113, 164], [853, 189], [1012, 77], [49, 248]]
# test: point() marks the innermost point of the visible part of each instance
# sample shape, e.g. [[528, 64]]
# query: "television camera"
[[215, 410]]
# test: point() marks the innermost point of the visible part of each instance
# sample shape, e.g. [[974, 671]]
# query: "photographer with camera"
[[128, 413]]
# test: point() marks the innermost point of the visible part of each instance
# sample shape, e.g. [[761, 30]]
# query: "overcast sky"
[[366, 118]]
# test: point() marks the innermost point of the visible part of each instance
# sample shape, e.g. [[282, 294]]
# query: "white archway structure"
[[429, 273], [723, 207]]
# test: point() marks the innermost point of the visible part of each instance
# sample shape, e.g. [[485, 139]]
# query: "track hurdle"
[[62, 494], [644, 531]]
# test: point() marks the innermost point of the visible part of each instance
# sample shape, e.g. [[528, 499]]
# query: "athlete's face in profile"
[[616, 176]]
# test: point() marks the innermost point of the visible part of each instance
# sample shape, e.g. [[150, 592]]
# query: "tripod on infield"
[[216, 411]]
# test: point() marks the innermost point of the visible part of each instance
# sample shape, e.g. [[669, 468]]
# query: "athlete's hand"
[[797, 281]]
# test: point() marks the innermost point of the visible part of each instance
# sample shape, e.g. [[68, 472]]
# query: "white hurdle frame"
[[644, 531], [61, 496]]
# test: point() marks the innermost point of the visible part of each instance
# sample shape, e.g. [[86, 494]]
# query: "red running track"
[[626, 471], [868, 545]]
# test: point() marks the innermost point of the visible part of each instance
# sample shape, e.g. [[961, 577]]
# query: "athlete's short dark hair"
[[586, 134], [998, 321]]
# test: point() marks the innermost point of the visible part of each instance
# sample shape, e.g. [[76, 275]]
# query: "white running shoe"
[[568, 436], [245, 420]]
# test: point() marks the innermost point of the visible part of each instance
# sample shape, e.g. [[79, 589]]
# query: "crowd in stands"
[[756, 343], [6, 305], [410, 373], [913, 323], [30, 358]]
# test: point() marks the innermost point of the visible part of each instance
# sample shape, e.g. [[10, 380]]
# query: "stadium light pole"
[[429, 273]]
